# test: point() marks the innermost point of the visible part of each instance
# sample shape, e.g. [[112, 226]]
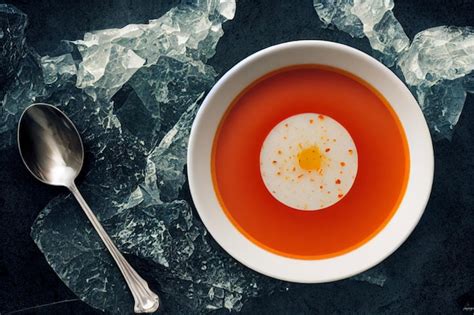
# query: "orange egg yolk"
[[310, 158]]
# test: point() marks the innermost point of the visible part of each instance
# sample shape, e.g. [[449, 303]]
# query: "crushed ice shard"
[[12, 40], [439, 53], [372, 19], [436, 66]]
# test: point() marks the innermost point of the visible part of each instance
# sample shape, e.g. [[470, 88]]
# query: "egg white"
[[301, 188]]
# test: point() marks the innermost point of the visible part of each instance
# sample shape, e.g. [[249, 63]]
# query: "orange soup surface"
[[383, 162]]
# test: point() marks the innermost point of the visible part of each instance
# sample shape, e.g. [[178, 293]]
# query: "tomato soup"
[[383, 162]]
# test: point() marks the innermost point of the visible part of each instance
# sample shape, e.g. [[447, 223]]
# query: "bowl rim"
[[379, 247]]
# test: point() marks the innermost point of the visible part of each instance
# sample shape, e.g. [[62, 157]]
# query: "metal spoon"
[[51, 148]]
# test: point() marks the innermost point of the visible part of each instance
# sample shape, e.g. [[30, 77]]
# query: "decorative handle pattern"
[[146, 301]]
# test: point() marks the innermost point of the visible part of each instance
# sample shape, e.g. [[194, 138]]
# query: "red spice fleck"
[[340, 195], [279, 152], [321, 187], [278, 173], [274, 162], [321, 117], [311, 121], [293, 169], [284, 137], [350, 151], [286, 125], [342, 164], [299, 176], [340, 172], [329, 192], [327, 149], [338, 181]]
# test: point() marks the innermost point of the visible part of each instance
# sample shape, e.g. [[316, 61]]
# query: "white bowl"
[[323, 270]]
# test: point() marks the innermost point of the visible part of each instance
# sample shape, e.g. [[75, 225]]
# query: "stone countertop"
[[433, 271]]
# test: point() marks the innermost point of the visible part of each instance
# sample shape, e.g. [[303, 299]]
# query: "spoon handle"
[[146, 301]]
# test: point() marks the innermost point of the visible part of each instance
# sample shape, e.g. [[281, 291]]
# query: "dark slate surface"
[[433, 271]]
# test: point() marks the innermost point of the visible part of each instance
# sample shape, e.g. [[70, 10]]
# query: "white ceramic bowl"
[[324, 53]]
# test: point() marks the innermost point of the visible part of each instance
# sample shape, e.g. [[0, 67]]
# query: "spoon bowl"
[[50, 145]]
